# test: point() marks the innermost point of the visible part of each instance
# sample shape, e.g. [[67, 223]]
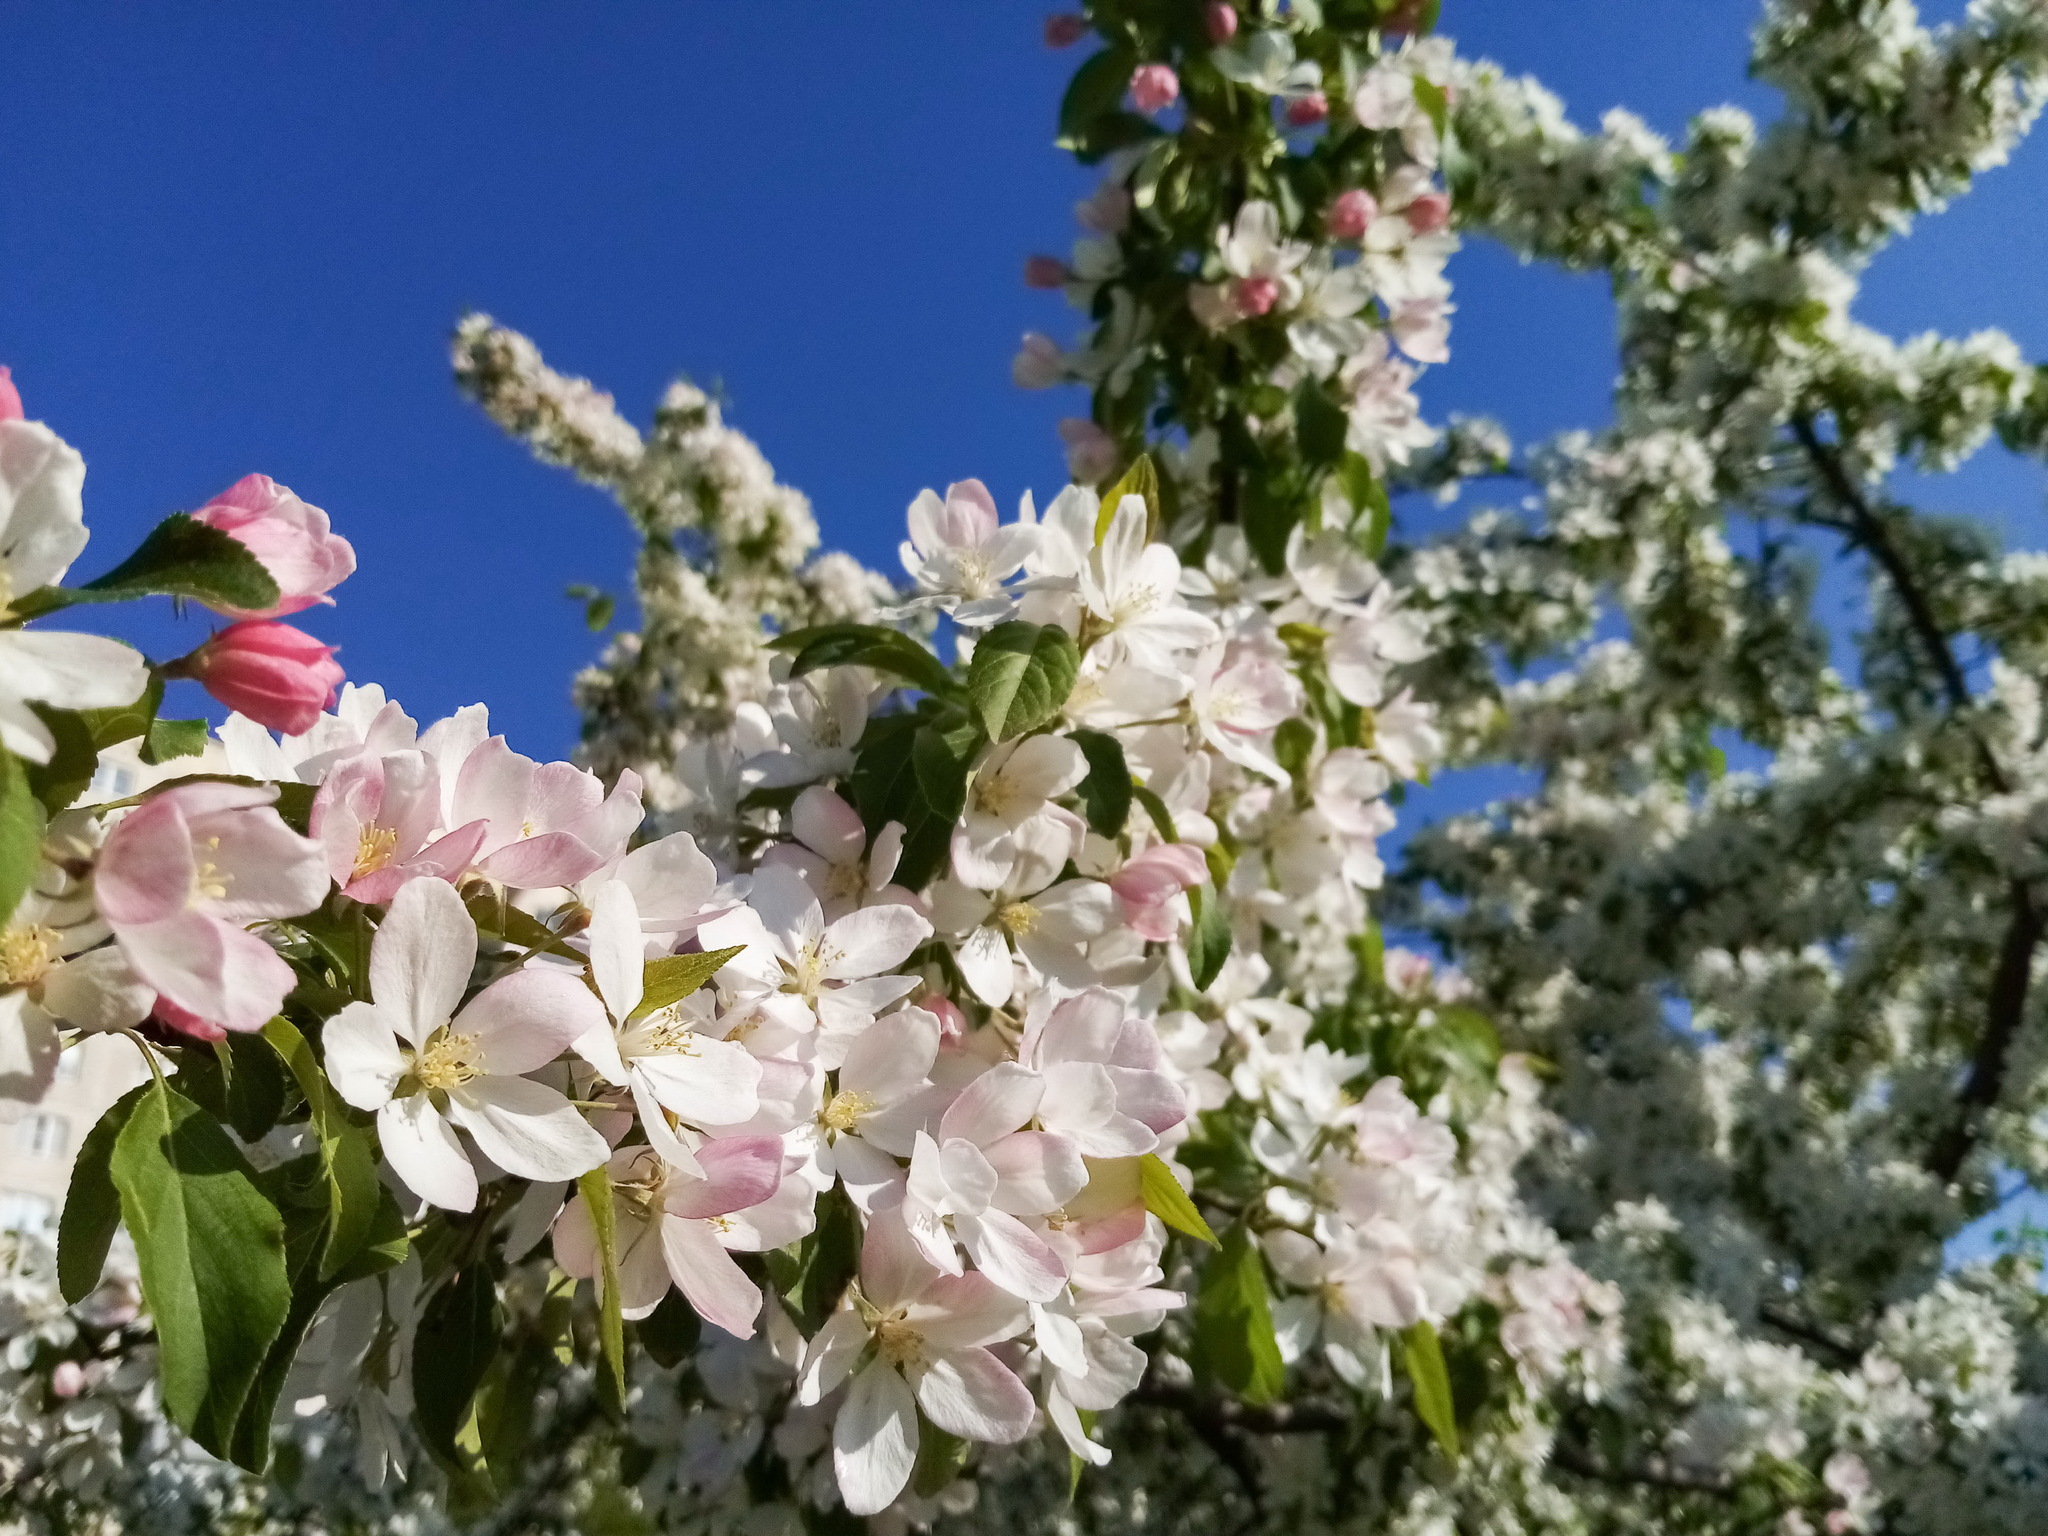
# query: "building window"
[[26, 1213], [44, 1135]]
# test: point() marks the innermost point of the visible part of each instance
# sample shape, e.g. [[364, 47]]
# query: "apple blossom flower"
[[278, 676], [1154, 88], [377, 818], [1405, 735], [675, 886], [982, 1171], [1252, 249], [1106, 210], [293, 541], [1039, 363], [1104, 1087], [428, 1065], [1325, 328], [1265, 61], [960, 552], [1050, 923], [671, 1227], [1149, 881], [815, 723], [669, 1067], [919, 1338], [1092, 454], [1238, 706], [180, 878], [1014, 784], [545, 823], [1350, 213], [884, 1097], [42, 530], [830, 850], [1351, 1294], [1131, 589]]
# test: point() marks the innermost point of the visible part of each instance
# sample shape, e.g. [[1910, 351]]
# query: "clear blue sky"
[[236, 235]]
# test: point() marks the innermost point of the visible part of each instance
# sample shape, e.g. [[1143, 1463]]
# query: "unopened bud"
[[1307, 111], [1065, 30], [1045, 272], [1350, 214], [1154, 87], [1255, 296], [68, 1379], [1428, 213], [1221, 20]]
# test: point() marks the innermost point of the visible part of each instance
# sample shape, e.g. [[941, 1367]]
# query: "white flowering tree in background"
[[934, 1060]]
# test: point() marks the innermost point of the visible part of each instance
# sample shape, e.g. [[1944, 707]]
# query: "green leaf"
[[238, 1081], [864, 645], [74, 759], [501, 920], [1097, 87], [182, 558], [827, 1261], [1423, 1354], [596, 1189], [931, 792], [1209, 943], [1271, 510], [92, 1206], [1162, 818], [598, 606], [452, 1351], [674, 977], [939, 760], [1165, 1199], [1293, 744], [1364, 490], [1436, 106], [1319, 425], [670, 1332], [211, 1251], [1234, 1342], [21, 833], [1106, 792], [1372, 954], [1141, 479], [354, 1194], [1020, 676], [173, 738], [940, 1456]]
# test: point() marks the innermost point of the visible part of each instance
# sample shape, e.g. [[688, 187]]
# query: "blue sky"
[[238, 234]]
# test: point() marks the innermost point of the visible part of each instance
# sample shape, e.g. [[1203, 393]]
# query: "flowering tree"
[[936, 1058]]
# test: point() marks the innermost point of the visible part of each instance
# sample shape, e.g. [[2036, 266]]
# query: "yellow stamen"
[[448, 1061], [845, 1110], [1020, 917], [374, 849], [25, 954], [897, 1342]]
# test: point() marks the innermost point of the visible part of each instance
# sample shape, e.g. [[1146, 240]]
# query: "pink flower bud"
[[10, 397], [1307, 111], [1350, 214], [1148, 882], [68, 1379], [1428, 213], [1221, 21], [952, 1022], [278, 676], [1045, 272], [293, 540], [1254, 296], [1064, 30], [1154, 87], [186, 1022], [1091, 452]]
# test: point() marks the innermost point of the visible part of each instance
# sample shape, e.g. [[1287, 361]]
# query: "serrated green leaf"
[[596, 1189], [1234, 1341], [1020, 676], [674, 977], [21, 833], [1141, 479], [1423, 1354], [865, 645], [1165, 1199], [92, 1206], [210, 1248], [1209, 943], [1106, 791], [183, 558], [173, 738], [74, 759]]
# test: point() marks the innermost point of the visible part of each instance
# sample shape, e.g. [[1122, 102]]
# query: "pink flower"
[[1306, 111], [184, 1021], [375, 816], [1154, 87], [1091, 452], [1064, 30], [10, 397], [180, 879], [1428, 213], [1255, 296], [1045, 272], [1146, 885], [292, 540], [1220, 20], [68, 1379], [1350, 214], [547, 823], [278, 676]]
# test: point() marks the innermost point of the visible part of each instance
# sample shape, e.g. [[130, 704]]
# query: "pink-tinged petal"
[[494, 784], [972, 1394], [527, 1128], [609, 826], [970, 1177], [1152, 1098], [787, 1216], [577, 1253], [829, 1357], [422, 1150], [894, 1127], [561, 794], [446, 858], [1115, 1367], [421, 958], [527, 1019], [984, 959], [362, 1057], [739, 1171], [661, 1136], [618, 952], [827, 825], [871, 941], [893, 1268], [716, 1287], [874, 1440], [643, 1266], [1012, 1255], [994, 1104], [146, 868], [1036, 1171], [892, 1056], [964, 1311], [534, 863], [1079, 1095], [873, 1180], [347, 801], [1083, 1028], [264, 868], [223, 974], [884, 856], [671, 879], [715, 1083], [1068, 1422]]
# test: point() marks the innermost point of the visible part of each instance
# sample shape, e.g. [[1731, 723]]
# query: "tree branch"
[[1655, 1473]]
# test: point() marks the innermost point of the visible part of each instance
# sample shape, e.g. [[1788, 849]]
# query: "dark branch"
[[1655, 1473]]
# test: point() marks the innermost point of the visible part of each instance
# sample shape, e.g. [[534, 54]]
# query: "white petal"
[[363, 1060], [1012, 1255], [527, 1019], [421, 958], [829, 1356], [527, 1128], [874, 1440], [617, 950], [422, 1150], [972, 1394], [872, 941], [984, 959], [716, 1287]]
